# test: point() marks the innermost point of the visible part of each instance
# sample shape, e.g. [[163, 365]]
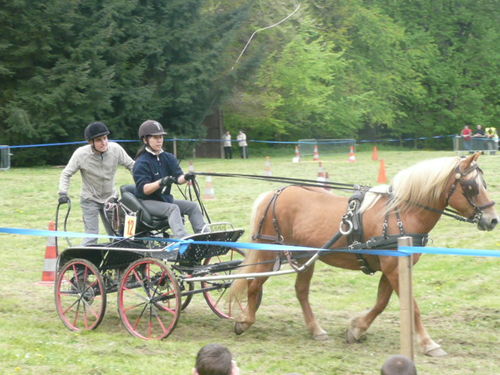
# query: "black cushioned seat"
[[145, 221]]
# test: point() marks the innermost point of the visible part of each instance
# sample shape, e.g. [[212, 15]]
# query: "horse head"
[[468, 195]]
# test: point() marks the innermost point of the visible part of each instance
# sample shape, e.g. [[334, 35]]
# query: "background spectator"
[[228, 150], [242, 143]]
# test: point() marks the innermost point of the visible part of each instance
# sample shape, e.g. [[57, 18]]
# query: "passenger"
[[97, 163], [154, 172], [215, 359], [398, 365]]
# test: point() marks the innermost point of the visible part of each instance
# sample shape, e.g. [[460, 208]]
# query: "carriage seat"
[[145, 220]]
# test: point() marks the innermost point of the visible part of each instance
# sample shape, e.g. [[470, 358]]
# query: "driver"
[[154, 172], [97, 163]]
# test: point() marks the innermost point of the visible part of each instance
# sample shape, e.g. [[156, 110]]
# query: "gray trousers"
[[174, 212], [91, 211]]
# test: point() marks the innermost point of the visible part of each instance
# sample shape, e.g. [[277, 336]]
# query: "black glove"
[[167, 181], [190, 176], [63, 198]]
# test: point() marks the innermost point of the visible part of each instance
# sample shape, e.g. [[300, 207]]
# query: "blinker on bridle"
[[470, 190]]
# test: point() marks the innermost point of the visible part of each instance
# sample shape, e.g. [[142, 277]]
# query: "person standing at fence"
[[228, 148], [97, 162], [242, 143], [398, 365], [155, 171], [479, 140], [215, 359], [491, 134], [466, 134]]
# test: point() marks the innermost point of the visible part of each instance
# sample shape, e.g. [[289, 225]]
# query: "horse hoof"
[[436, 352], [321, 337], [240, 327], [351, 337]]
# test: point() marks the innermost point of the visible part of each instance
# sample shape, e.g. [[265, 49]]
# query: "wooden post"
[[406, 312], [174, 146]]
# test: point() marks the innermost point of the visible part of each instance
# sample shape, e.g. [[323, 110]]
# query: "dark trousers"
[[228, 152]]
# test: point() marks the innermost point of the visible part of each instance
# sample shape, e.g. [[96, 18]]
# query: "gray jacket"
[[98, 171]]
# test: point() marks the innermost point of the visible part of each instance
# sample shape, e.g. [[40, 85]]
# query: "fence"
[[482, 144], [4, 157]]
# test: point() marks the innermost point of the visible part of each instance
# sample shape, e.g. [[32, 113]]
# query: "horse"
[[308, 216]]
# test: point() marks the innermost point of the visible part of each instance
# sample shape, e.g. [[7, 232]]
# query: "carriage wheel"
[[149, 299], [216, 296], [80, 295]]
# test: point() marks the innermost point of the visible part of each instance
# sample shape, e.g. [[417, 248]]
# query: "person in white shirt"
[[97, 162], [242, 143], [228, 149]]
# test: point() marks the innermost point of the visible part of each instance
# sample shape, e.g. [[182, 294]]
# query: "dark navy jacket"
[[149, 168]]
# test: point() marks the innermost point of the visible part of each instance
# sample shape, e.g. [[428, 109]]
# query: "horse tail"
[[252, 257]]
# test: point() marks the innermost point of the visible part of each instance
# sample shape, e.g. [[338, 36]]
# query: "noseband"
[[470, 190]]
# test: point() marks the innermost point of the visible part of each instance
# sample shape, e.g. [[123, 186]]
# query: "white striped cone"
[[268, 170], [209, 189], [321, 173], [296, 158], [49, 268], [316, 153], [352, 156]]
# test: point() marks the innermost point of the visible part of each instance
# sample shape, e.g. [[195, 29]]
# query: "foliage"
[[65, 64]]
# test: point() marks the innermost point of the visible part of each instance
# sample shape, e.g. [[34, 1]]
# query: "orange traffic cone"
[[352, 156], [268, 171], [190, 169], [321, 173], [209, 189], [49, 267], [296, 158], [316, 153], [382, 176], [375, 153]]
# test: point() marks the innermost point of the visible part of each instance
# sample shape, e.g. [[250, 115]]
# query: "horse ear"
[[466, 163]]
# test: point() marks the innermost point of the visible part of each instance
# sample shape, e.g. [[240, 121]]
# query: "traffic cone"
[[327, 179], [316, 153], [49, 267], [375, 153], [268, 167], [321, 173], [382, 176], [296, 159], [190, 169], [352, 156], [209, 189]]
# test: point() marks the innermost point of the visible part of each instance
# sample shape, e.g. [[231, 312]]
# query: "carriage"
[[149, 272], [155, 282]]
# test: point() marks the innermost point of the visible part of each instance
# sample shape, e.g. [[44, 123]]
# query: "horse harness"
[[470, 190], [350, 226]]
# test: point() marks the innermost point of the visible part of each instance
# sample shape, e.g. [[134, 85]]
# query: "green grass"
[[458, 296]]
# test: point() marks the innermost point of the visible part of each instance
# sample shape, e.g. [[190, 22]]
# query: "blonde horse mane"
[[422, 183]]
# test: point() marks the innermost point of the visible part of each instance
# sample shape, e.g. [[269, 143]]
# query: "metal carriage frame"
[[152, 283]]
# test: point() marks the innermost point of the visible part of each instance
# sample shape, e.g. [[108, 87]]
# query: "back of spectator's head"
[[214, 359], [398, 365]]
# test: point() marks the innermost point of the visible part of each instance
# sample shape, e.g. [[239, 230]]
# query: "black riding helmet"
[[151, 127], [96, 129]]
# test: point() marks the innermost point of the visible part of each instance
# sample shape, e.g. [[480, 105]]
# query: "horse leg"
[[247, 317], [302, 284], [360, 324], [388, 283]]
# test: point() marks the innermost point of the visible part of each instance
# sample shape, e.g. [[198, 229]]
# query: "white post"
[[174, 146], [406, 312]]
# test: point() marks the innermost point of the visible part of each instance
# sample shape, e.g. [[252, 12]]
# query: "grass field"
[[459, 296]]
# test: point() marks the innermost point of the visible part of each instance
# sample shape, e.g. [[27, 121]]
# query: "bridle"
[[470, 190]]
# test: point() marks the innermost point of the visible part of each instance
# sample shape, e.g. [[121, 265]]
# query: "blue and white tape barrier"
[[182, 245]]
